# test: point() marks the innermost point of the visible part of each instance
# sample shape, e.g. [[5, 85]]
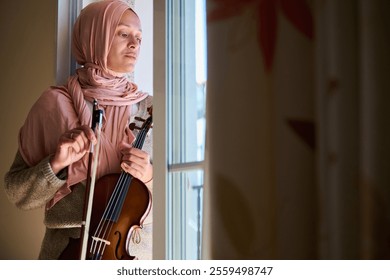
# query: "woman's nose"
[[133, 43]]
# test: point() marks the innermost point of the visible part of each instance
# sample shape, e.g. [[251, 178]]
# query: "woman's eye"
[[124, 35]]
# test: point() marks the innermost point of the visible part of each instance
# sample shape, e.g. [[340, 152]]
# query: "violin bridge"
[[97, 239]]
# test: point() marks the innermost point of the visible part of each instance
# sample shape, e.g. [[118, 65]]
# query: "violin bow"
[[97, 120]]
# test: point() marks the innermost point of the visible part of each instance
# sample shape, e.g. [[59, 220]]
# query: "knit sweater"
[[31, 187]]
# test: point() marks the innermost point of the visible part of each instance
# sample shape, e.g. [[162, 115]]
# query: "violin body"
[[120, 203], [136, 207]]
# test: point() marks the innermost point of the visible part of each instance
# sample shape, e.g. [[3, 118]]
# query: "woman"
[[51, 163]]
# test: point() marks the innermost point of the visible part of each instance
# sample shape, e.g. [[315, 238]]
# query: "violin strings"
[[103, 228], [117, 198]]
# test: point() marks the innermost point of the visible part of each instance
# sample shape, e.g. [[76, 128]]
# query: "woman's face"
[[126, 44]]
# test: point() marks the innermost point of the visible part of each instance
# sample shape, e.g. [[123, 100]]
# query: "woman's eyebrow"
[[127, 25]]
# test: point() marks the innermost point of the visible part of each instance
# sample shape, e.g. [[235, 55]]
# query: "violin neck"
[[139, 141]]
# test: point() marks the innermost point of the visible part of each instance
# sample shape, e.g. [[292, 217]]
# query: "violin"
[[121, 203]]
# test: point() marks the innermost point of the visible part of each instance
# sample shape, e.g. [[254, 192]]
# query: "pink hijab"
[[60, 109]]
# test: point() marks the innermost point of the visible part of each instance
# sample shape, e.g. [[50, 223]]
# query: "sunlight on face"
[[126, 44]]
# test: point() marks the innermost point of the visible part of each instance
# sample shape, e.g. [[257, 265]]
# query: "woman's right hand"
[[72, 146]]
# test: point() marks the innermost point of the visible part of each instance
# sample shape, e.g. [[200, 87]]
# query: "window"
[[186, 84]]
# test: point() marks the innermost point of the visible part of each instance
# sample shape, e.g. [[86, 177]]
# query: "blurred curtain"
[[298, 150]]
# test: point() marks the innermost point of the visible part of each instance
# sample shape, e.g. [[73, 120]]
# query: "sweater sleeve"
[[31, 187]]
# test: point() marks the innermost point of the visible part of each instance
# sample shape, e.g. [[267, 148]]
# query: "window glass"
[[186, 72]]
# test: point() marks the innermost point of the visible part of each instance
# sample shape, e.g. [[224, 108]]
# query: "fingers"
[[143, 173], [72, 146], [137, 156], [80, 138], [137, 163], [83, 135], [79, 141]]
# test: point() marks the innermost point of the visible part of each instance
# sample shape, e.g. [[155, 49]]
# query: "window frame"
[[182, 154]]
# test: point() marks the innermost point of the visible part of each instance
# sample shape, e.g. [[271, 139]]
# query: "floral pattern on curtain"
[[297, 151]]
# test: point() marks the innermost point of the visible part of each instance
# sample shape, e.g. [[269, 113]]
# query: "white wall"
[[143, 75]]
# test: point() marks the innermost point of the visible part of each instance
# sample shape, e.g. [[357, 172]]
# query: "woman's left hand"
[[137, 163]]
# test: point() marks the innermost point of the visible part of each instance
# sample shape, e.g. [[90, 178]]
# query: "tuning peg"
[[132, 126], [139, 119]]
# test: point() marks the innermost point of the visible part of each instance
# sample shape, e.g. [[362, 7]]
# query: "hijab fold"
[[62, 108]]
